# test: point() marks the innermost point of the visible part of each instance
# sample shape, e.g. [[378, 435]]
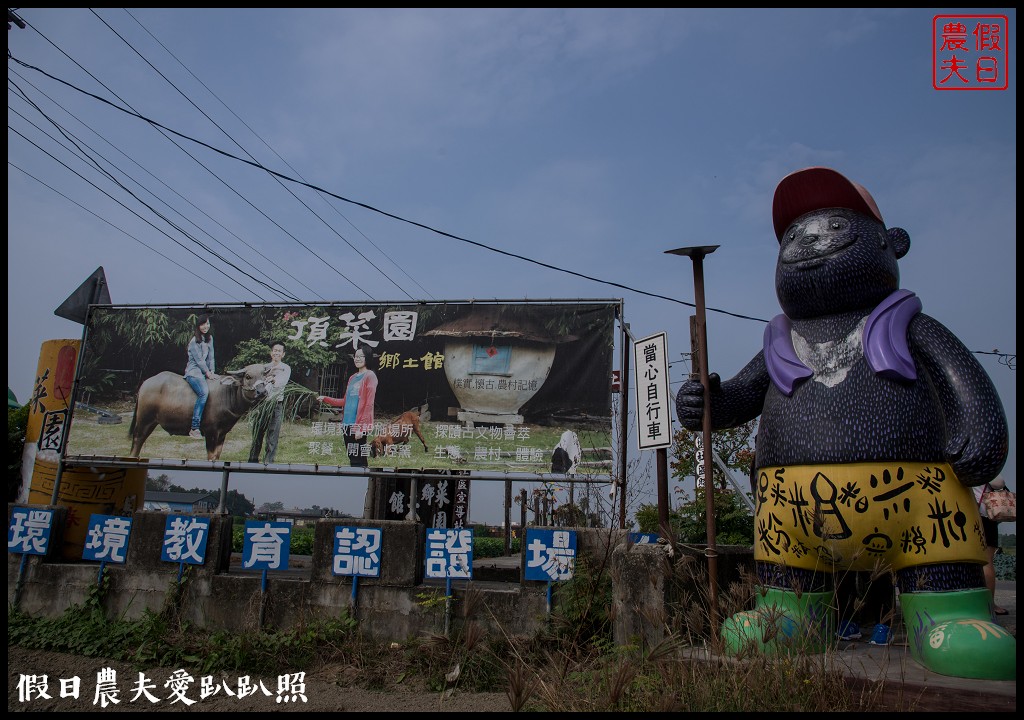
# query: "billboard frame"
[[616, 472]]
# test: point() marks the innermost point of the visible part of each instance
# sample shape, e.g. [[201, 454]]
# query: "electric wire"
[[371, 208], [278, 155], [21, 94], [123, 231], [195, 159], [240, 147], [133, 212], [87, 158]]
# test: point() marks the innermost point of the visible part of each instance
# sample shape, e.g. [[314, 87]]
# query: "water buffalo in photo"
[[167, 400]]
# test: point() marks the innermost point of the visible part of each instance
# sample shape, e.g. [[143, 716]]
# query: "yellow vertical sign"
[[49, 407], [86, 490]]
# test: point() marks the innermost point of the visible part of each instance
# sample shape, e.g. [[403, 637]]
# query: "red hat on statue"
[[816, 188]]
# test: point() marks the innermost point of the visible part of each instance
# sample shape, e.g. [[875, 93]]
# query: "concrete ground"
[[890, 673], [909, 686]]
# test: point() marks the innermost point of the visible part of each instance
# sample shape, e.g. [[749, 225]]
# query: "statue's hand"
[[690, 401]]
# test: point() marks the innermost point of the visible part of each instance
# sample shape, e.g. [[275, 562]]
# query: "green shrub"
[[17, 421], [733, 521], [301, 539], [489, 547]]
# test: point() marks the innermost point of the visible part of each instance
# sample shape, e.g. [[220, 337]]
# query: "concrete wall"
[[657, 591], [394, 607]]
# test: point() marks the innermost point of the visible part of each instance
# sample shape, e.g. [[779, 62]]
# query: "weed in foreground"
[[572, 665]]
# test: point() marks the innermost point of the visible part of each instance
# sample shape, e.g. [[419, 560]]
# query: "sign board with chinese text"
[[185, 539], [356, 551], [492, 385], [106, 539], [550, 554], [267, 545], [638, 538], [698, 459], [436, 502], [653, 397], [29, 531], [449, 554]]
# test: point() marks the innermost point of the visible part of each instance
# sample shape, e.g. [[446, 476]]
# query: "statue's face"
[[834, 260]]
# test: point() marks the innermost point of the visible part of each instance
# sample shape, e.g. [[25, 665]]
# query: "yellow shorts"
[[833, 517]]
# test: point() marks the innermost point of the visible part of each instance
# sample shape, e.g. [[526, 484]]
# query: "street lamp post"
[[696, 255]]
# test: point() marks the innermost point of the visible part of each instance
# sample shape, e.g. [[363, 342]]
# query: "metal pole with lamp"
[[696, 255]]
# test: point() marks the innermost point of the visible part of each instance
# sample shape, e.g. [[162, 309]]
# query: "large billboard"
[[466, 385]]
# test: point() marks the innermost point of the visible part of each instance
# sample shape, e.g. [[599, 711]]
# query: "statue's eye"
[[837, 223]]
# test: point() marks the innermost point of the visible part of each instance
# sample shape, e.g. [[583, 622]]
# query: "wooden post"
[[508, 518], [522, 510], [700, 333]]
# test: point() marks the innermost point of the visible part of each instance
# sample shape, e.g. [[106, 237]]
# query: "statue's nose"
[[815, 227]]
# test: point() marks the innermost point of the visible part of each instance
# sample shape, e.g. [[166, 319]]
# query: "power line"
[[197, 255], [1007, 359], [239, 146], [371, 208], [195, 159], [123, 231], [278, 155], [84, 156], [21, 93], [1010, 360]]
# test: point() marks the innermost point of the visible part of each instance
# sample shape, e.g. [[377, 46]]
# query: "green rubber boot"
[[781, 622], [952, 633]]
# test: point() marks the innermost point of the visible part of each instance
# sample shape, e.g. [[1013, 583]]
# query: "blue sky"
[[592, 140]]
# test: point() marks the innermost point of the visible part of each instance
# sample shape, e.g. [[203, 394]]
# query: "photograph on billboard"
[[472, 386]]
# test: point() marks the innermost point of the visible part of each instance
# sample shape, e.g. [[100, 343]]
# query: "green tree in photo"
[[305, 359], [734, 525], [735, 446], [135, 335]]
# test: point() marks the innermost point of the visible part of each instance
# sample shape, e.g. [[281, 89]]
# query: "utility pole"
[[12, 17]]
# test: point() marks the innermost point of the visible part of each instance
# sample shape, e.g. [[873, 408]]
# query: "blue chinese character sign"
[[449, 553], [643, 538], [267, 545], [550, 554], [29, 531], [185, 539], [357, 551], [106, 540]]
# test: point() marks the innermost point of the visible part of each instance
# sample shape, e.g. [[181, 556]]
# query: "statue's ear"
[[900, 240]]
